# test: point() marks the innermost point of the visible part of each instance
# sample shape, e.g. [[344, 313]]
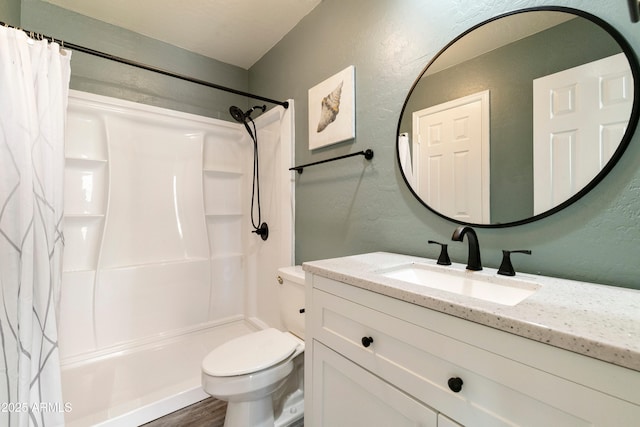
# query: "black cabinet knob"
[[455, 384], [301, 311], [366, 341]]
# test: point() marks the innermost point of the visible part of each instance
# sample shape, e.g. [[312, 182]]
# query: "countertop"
[[599, 321]]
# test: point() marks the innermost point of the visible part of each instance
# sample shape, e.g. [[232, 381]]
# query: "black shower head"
[[237, 114], [241, 117]]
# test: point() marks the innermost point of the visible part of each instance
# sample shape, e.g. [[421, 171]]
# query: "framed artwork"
[[332, 110]]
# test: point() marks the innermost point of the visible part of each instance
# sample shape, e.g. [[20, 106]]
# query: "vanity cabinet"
[[372, 360]]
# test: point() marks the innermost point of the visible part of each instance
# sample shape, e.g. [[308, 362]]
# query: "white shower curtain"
[[34, 85]]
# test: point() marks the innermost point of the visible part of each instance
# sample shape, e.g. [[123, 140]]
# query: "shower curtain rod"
[[125, 61]]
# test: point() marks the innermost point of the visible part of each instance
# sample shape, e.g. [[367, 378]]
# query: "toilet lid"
[[249, 353]]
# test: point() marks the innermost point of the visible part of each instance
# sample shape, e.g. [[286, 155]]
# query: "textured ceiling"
[[238, 32]]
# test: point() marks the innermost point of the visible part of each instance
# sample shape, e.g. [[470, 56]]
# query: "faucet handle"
[[443, 259], [506, 268]]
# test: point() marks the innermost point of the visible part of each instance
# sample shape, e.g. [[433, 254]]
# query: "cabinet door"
[[344, 394]]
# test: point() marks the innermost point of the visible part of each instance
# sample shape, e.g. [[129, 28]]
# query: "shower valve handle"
[[262, 231]]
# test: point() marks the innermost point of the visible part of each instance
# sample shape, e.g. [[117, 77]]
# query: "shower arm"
[[89, 51]]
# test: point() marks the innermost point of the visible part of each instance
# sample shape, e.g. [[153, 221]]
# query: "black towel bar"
[[368, 154]]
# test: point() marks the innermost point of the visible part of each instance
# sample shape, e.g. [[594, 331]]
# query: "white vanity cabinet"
[[400, 374]]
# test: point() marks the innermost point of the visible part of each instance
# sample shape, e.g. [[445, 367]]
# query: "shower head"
[[241, 117], [237, 114]]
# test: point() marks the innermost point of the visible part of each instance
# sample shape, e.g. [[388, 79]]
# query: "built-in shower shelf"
[[160, 263], [225, 256], [78, 270], [82, 235], [221, 171], [86, 182], [223, 214], [81, 161]]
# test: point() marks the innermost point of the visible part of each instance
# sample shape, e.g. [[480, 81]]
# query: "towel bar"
[[368, 154]]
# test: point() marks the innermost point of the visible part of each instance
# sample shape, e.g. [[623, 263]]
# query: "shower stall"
[[161, 260]]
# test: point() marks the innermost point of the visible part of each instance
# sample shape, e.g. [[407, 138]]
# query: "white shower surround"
[[160, 264]]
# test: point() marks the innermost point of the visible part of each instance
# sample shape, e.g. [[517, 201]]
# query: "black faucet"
[[473, 262]]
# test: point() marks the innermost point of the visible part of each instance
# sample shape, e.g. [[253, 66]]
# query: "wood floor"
[[207, 413]]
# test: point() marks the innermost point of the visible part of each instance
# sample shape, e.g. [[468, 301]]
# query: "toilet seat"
[[249, 353]]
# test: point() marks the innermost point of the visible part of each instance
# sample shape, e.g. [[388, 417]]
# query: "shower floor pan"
[[134, 385]]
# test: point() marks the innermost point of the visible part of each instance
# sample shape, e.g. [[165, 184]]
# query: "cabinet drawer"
[[496, 390]]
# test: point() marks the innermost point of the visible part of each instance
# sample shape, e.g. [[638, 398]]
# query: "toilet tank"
[[291, 299]]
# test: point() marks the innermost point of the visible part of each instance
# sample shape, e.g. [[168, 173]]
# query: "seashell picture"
[[332, 110], [330, 107]]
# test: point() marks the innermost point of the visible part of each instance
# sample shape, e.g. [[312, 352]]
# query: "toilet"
[[260, 374]]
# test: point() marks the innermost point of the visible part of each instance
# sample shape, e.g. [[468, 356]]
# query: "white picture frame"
[[332, 110]]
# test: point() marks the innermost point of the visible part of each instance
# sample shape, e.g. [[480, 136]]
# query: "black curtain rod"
[[125, 61]]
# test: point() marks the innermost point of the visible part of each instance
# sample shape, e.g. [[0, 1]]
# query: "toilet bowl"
[[260, 374]]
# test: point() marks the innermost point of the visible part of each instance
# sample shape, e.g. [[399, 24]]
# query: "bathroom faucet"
[[473, 262]]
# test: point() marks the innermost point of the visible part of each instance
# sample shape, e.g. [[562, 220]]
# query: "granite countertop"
[[595, 320]]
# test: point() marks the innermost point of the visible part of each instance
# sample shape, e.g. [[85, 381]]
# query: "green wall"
[[354, 206], [109, 78], [10, 12]]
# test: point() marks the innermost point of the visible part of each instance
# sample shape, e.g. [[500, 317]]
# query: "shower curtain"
[[34, 85]]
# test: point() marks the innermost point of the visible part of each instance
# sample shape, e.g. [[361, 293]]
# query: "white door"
[[451, 157], [345, 395], [579, 117]]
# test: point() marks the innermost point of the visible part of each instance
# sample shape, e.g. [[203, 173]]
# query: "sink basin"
[[488, 287]]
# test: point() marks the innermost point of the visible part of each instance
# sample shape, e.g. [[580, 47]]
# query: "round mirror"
[[519, 117]]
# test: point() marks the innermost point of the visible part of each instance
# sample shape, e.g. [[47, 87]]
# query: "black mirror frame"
[[624, 143]]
